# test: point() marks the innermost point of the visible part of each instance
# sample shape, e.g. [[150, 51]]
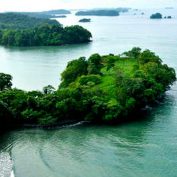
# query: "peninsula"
[[100, 89]]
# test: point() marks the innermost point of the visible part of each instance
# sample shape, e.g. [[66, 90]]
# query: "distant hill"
[[122, 9], [21, 21], [169, 7], [59, 11], [98, 13], [45, 14]]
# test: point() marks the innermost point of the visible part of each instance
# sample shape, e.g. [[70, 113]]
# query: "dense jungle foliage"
[[14, 21], [106, 89], [21, 30]]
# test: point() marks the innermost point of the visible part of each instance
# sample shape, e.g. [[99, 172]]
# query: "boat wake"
[[12, 174], [75, 124], [6, 165]]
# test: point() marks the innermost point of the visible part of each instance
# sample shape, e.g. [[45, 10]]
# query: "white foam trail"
[[74, 125], [12, 174], [5, 165]]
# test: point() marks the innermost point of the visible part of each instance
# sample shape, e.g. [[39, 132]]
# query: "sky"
[[39, 5]]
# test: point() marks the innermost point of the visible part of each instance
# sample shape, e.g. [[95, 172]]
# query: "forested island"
[[100, 89], [103, 12], [59, 16], [48, 14], [22, 30], [85, 20], [12, 21], [156, 16], [98, 13], [160, 16]]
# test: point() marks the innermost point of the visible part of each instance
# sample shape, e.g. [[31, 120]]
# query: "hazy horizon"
[[40, 5]]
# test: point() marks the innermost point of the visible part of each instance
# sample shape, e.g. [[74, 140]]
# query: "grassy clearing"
[[108, 80]]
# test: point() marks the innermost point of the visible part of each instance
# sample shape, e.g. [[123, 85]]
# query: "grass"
[[108, 77], [108, 80]]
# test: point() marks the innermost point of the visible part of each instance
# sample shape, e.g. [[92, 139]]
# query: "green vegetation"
[[103, 12], [60, 16], [5, 81], [100, 89], [98, 13], [45, 35], [156, 16], [21, 30], [20, 21], [48, 14], [85, 20], [56, 12]]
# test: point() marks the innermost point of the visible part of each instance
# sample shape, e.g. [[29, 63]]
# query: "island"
[[59, 16], [156, 16], [105, 89], [44, 14], [22, 31], [169, 8], [98, 13], [168, 17], [57, 12], [122, 9], [47, 14], [85, 20], [20, 21]]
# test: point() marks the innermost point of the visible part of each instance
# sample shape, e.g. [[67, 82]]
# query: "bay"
[[147, 148]]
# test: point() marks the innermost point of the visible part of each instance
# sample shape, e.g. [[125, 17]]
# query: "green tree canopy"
[[5, 81]]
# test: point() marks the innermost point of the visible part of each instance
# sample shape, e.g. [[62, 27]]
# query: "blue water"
[[147, 148]]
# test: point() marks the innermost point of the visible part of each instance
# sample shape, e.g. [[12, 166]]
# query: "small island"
[[25, 31], [85, 20], [100, 89], [98, 13], [156, 16], [169, 8], [59, 16], [168, 17]]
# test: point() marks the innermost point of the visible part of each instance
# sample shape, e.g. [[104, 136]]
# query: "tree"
[[5, 81], [95, 64], [48, 89], [148, 56], [74, 69], [133, 53], [44, 35], [6, 117], [110, 62], [76, 34]]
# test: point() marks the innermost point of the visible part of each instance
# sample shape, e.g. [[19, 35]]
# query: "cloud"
[[37, 5]]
